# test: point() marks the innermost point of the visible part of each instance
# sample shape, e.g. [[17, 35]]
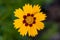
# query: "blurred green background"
[[7, 30]]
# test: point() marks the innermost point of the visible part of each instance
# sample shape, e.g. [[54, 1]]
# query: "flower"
[[29, 20]]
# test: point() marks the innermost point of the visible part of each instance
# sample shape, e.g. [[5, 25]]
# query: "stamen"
[[34, 22], [32, 15], [26, 24], [34, 18], [24, 21], [29, 19], [30, 25], [24, 16], [28, 14]]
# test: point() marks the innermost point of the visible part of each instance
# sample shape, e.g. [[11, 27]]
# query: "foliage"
[[7, 31]]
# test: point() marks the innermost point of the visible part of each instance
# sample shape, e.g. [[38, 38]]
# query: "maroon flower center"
[[29, 19]]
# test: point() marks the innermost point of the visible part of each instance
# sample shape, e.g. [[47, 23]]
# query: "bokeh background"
[[52, 22]]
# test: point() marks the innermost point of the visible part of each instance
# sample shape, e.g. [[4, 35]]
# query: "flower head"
[[30, 20]]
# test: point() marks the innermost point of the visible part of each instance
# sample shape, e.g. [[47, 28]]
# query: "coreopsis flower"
[[29, 20]]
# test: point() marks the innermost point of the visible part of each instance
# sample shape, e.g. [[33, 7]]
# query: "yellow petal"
[[36, 9], [40, 16], [27, 8], [18, 23], [19, 13], [39, 25], [32, 31], [23, 30]]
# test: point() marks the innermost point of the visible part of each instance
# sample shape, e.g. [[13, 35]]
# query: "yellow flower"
[[30, 20]]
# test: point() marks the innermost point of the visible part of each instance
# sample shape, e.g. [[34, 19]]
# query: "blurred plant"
[[7, 32], [29, 20]]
